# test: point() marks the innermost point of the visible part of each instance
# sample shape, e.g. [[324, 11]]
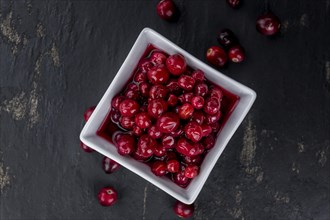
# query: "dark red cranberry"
[[158, 57], [186, 97], [173, 166], [158, 74], [227, 38], [115, 115], [170, 155], [180, 179], [143, 120], [201, 89], [178, 132], [186, 82], [268, 24], [132, 86], [132, 94], [210, 119], [191, 171], [116, 101], [89, 112], [144, 88], [146, 146], [186, 111], [145, 65], [140, 156], [215, 127], [109, 165], [159, 168], [129, 108], [173, 86], [197, 102], [236, 54], [211, 106], [144, 108], [125, 144], [176, 64], [168, 122], [168, 141], [137, 131], [107, 196], [198, 75], [160, 151], [167, 10], [157, 107], [208, 142], [172, 100], [126, 122], [234, 3], [206, 130], [158, 92], [140, 77], [216, 93], [86, 148], [186, 148], [216, 56], [198, 117], [196, 160], [193, 131], [153, 132]]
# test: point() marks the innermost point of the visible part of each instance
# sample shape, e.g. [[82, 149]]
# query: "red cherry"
[[159, 168], [144, 88], [172, 100], [215, 127], [186, 111], [173, 86], [126, 122], [116, 101], [216, 93], [178, 132], [186, 148], [132, 94], [160, 151], [236, 54], [158, 92], [186, 82], [211, 106], [234, 3], [208, 142], [201, 89], [168, 141], [137, 131], [168, 122], [268, 24], [197, 102], [180, 179], [129, 108], [89, 112], [227, 38], [206, 130], [198, 75], [191, 171], [216, 56], [109, 165], [86, 148], [158, 57], [198, 117], [157, 107], [193, 131], [125, 144], [173, 166], [153, 132], [176, 64], [167, 10], [187, 97], [210, 119], [170, 155], [196, 160], [158, 75], [143, 120], [140, 77], [115, 115], [146, 146], [145, 65], [107, 196]]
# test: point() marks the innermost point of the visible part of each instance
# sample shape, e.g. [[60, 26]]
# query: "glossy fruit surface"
[[109, 165], [268, 24], [236, 54], [167, 10], [89, 112], [216, 56], [183, 210], [107, 196], [176, 64]]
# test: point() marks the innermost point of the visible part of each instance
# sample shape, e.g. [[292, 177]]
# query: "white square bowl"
[[88, 134]]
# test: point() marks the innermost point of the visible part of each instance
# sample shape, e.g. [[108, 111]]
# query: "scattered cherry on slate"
[[86, 148], [236, 54], [183, 210], [216, 56], [234, 3], [167, 10], [227, 38], [268, 24], [109, 165], [89, 112], [107, 196]]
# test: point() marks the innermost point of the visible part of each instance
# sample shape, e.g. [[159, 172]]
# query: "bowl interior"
[[190, 193]]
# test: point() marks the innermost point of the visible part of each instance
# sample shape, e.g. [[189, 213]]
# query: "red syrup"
[[110, 126]]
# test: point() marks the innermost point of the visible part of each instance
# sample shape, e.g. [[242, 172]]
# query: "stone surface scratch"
[[322, 157], [145, 195], [281, 197], [301, 147], [16, 106], [55, 55], [4, 177], [304, 20], [40, 30], [249, 144], [327, 71]]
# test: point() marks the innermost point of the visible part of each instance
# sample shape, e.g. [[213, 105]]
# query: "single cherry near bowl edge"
[[108, 128]]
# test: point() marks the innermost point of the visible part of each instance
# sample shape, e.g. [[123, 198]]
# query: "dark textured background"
[[58, 57]]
